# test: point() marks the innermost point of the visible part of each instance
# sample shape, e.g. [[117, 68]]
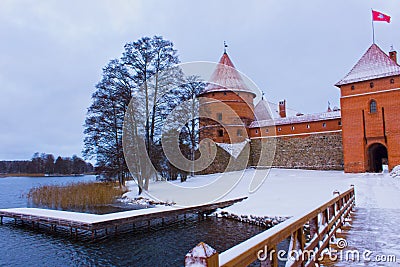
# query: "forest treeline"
[[47, 164]]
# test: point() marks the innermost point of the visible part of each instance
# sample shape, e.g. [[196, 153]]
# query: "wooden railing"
[[309, 235]]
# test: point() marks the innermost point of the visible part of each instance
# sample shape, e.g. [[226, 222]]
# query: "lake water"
[[159, 246]]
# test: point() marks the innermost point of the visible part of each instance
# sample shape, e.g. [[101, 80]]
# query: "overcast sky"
[[52, 53]]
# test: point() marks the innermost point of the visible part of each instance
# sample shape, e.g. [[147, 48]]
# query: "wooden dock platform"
[[94, 222]]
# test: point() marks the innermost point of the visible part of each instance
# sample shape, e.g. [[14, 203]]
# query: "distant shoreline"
[[5, 175]]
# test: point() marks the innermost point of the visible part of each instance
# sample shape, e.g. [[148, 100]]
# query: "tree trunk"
[[153, 116], [192, 136], [140, 189]]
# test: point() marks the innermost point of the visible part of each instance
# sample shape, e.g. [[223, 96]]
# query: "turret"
[[227, 102]]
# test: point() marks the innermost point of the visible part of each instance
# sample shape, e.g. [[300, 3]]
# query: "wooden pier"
[[93, 223], [310, 235]]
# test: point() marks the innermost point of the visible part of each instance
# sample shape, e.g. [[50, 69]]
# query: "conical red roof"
[[372, 65], [226, 78]]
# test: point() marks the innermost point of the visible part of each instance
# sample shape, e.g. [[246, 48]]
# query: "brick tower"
[[370, 104], [226, 105]]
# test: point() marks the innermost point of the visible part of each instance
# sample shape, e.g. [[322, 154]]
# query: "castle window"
[[308, 126], [292, 128], [324, 124], [279, 129], [372, 106], [220, 133], [256, 131], [213, 94], [219, 116], [266, 130], [392, 80], [224, 93], [239, 132], [352, 87], [371, 84], [340, 123]]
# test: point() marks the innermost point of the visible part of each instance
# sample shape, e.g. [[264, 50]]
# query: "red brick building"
[[370, 102], [226, 105], [363, 135]]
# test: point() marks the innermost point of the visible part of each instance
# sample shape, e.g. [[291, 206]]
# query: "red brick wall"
[[364, 87], [353, 102], [236, 109], [298, 128]]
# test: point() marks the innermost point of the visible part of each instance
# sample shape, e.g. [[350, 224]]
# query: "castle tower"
[[370, 105], [228, 105]]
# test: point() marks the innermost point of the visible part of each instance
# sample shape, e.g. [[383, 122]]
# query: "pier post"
[[1, 220], [202, 255], [269, 261], [313, 223]]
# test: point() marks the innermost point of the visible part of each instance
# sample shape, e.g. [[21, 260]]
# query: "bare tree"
[[144, 73], [103, 125]]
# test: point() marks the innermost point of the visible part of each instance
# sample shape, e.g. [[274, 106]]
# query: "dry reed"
[[82, 196]]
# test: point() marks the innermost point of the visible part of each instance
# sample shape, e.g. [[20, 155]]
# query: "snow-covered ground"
[[283, 193], [286, 192]]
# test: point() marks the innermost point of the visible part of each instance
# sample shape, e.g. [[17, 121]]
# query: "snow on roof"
[[264, 110], [372, 65], [233, 149], [297, 119], [226, 78]]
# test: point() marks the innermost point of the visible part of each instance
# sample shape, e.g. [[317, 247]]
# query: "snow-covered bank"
[[288, 192], [395, 173]]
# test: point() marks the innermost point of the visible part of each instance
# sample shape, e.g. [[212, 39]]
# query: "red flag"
[[378, 16]]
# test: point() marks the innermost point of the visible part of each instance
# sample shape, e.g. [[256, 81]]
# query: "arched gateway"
[[377, 156]]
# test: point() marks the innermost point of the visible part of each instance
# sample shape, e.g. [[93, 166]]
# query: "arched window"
[[372, 106]]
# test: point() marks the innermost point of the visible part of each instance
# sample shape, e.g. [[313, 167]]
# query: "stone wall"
[[223, 162], [315, 152], [318, 152]]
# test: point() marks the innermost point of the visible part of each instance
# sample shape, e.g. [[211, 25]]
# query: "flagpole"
[[373, 28]]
